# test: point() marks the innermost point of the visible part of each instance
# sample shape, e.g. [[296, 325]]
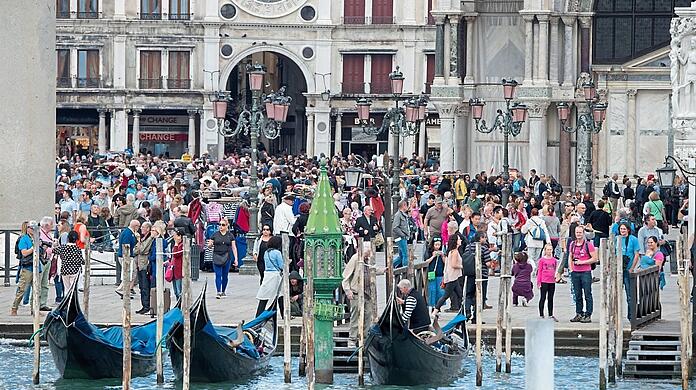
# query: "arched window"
[[626, 29]]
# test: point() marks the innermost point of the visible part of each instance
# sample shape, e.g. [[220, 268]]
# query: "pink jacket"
[[546, 270]]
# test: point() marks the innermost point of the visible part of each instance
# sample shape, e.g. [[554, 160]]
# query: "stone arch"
[[301, 64]]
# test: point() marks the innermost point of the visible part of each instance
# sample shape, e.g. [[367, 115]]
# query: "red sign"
[[163, 137]]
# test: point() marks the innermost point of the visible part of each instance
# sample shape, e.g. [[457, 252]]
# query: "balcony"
[[380, 87], [354, 20], [179, 16], [88, 82], [64, 82], [88, 15], [353, 87], [178, 83], [64, 14], [150, 83], [151, 16], [389, 19]]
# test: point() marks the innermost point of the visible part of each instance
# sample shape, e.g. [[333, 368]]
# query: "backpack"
[[469, 263], [412, 228], [537, 232], [606, 191], [17, 251]]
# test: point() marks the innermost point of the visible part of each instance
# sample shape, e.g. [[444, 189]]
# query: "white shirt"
[[529, 225], [283, 219]]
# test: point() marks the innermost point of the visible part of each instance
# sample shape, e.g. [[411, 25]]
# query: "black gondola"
[[81, 350], [400, 357], [219, 354]]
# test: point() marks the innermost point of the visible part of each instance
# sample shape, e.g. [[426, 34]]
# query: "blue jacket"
[[127, 237]]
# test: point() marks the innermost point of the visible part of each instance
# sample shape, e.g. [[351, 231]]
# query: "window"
[[430, 19], [381, 67], [179, 10], [626, 29], [228, 11], [429, 71], [307, 13], [179, 70], [150, 10], [150, 69], [63, 68], [354, 12], [382, 11], [353, 73], [87, 9], [88, 68], [63, 9]]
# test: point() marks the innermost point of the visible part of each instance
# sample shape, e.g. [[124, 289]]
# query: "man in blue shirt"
[[129, 236], [26, 251], [629, 248]]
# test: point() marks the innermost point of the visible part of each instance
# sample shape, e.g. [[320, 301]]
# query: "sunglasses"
[[224, 224], [266, 229]]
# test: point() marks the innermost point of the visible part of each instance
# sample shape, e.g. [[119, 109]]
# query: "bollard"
[[539, 354], [159, 293], [479, 307], [286, 310], [36, 304], [88, 273], [126, 274], [186, 311]]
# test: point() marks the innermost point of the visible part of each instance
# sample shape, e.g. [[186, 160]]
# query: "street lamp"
[[588, 122], [667, 173], [353, 176], [509, 122], [399, 121], [220, 100]]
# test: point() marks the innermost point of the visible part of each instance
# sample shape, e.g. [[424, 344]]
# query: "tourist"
[[599, 222], [70, 261], [177, 260], [126, 212], [260, 246], [348, 228], [270, 289], [46, 241], [650, 229], [224, 249], [401, 233], [296, 294], [629, 248], [142, 252], [546, 280], [414, 312], [24, 248], [656, 208], [67, 204], [434, 218], [581, 255], [653, 257], [435, 259], [129, 236], [469, 283], [536, 235], [451, 275], [351, 284], [522, 289]]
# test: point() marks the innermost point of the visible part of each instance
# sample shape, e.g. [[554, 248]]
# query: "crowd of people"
[[106, 202]]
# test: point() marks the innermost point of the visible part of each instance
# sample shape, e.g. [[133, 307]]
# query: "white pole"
[[36, 305], [186, 311], [539, 354], [159, 287]]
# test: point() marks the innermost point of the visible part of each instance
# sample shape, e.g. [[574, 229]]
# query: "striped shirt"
[[409, 305]]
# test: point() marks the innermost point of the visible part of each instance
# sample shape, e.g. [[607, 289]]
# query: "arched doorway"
[[280, 71]]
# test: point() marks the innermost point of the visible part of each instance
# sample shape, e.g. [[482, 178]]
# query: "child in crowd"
[[546, 280], [522, 286]]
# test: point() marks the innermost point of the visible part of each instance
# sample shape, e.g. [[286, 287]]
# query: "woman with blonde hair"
[[654, 206]]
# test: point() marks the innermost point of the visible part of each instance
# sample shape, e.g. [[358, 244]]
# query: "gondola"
[[82, 351], [220, 354], [400, 357]]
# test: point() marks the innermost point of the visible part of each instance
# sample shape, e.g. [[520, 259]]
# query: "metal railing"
[[645, 296], [88, 82], [88, 15], [62, 14], [179, 16], [380, 87], [178, 83], [7, 266], [354, 19], [352, 87], [150, 83], [151, 16], [64, 82], [383, 19]]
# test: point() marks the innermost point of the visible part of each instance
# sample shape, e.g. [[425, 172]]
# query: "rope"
[[31, 338]]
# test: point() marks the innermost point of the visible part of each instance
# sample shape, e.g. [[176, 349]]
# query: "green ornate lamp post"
[[323, 247]]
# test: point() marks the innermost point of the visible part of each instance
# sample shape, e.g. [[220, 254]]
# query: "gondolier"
[[415, 311]]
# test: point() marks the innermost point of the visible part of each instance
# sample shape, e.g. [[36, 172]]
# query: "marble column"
[[535, 53], [112, 129], [461, 126], [337, 136], [220, 146], [454, 50], [585, 23], [469, 78], [191, 131], [528, 48], [569, 53], [446, 144], [543, 48], [439, 47], [102, 131], [136, 131], [310, 134], [631, 133], [554, 63], [447, 52], [423, 140], [538, 137]]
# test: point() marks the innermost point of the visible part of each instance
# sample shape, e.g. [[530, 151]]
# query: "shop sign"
[[432, 121], [163, 137], [163, 120]]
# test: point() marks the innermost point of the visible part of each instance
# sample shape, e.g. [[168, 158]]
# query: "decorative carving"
[[537, 109], [573, 6], [448, 109], [584, 78], [682, 56]]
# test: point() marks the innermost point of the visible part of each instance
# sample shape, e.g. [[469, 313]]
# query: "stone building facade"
[[138, 74]]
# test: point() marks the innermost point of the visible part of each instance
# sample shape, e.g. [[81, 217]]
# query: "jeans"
[[144, 285], [221, 274], [627, 288], [435, 292], [534, 255], [60, 289], [176, 284], [582, 284], [470, 296], [402, 259]]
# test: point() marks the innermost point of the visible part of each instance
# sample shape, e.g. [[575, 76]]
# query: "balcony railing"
[[178, 83], [62, 14], [380, 87], [383, 20], [88, 15], [150, 83], [64, 82], [353, 87], [354, 20], [151, 16], [179, 16], [88, 82]]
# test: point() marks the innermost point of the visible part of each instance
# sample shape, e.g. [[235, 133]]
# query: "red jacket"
[[178, 260]]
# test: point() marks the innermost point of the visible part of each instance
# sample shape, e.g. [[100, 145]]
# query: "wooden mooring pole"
[[479, 307], [86, 288], [603, 315], [186, 312], [36, 304], [619, 283], [374, 315], [685, 316], [361, 313], [287, 369], [500, 318], [126, 278], [308, 313], [389, 256], [611, 309], [159, 291], [506, 277]]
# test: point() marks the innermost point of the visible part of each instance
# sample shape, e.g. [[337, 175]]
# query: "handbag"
[[169, 272], [379, 239], [220, 259]]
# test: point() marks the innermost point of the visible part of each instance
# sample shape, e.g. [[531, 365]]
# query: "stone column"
[[528, 48], [27, 113], [439, 48], [191, 131], [337, 135], [112, 129], [454, 50], [631, 133], [543, 62], [446, 53], [447, 111], [585, 24], [569, 53], [422, 140], [136, 130], [102, 131], [469, 78], [310, 134], [461, 126], [220, 147], [538, 137], [555, 49]]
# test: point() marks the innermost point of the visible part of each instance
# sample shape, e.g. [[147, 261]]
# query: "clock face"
[[269, 8]]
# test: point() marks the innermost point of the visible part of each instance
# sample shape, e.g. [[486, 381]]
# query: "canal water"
[[570, 373]]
